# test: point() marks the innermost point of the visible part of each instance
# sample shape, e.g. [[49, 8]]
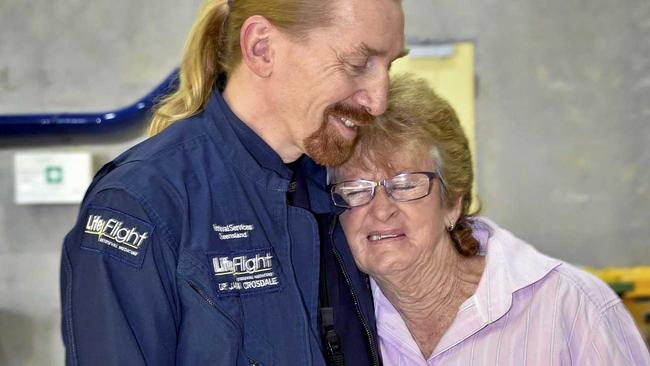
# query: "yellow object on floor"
[[633, 285]]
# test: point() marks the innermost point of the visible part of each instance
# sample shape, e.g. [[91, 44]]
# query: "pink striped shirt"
[[528, 309]]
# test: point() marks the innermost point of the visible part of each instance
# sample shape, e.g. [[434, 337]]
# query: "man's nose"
[[374, 95]]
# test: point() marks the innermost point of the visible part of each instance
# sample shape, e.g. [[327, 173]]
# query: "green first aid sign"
[[54, 174]]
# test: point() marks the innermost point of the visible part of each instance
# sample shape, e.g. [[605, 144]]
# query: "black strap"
[[331, 340]]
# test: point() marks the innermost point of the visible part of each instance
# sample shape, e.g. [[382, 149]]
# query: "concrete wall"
[[563, 119], [67, 56], [562, 124]]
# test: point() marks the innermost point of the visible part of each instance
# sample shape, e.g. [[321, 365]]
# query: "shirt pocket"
[[251, 278]]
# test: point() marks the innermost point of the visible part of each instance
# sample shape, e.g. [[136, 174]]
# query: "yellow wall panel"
[[449, 70]]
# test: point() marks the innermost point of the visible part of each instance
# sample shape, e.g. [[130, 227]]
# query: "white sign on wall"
[[51, 178]]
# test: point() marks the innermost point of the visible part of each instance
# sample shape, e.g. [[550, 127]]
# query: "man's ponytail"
[[202, 63], [213, 48]]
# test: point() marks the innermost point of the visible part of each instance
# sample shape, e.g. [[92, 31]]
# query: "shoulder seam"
[[600, 306], [184, 144]]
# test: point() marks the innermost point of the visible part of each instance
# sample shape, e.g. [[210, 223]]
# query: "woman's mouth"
[[375, 237]]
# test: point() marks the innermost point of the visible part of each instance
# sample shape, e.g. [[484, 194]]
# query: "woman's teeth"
[[375, 237]]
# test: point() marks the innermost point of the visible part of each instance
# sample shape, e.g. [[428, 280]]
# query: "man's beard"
[[327, 146]]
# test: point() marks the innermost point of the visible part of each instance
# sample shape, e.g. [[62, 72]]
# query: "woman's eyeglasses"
[[402, 187]]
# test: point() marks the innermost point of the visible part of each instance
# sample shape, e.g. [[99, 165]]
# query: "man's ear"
[[256, 46]]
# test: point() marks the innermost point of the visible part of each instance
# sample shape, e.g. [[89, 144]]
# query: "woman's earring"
[[451, 227]]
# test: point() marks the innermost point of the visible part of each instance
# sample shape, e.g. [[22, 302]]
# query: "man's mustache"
[[357, 115]]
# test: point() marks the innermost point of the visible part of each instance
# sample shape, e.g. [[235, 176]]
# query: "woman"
[[452, 288]]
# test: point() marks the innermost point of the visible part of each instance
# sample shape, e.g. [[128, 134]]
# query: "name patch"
[[116, 234], [246, 272]]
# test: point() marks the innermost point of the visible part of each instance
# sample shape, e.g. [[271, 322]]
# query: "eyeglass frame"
[[377, 183]]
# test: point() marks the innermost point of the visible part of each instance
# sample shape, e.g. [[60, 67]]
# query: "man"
[[200, 245]]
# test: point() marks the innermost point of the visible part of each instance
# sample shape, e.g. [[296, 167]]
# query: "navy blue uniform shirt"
[[186, 251]]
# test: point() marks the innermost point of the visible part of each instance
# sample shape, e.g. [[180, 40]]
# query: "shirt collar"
[[219, 124], [511, 264], [246, 150], [253, 143]]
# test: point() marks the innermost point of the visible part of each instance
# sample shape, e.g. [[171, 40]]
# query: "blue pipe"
[[32, 124]]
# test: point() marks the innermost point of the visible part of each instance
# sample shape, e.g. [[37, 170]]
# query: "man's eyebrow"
[[404, 53], [366, 50], [369, 51]]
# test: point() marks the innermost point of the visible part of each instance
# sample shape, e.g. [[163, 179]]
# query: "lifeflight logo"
[[242, 264], [248, 272], [115, 230]]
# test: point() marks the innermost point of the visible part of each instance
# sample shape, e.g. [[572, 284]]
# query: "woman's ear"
[[454, 211], [256, 45]]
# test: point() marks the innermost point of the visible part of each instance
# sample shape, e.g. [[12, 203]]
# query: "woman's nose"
[[382, 207]]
